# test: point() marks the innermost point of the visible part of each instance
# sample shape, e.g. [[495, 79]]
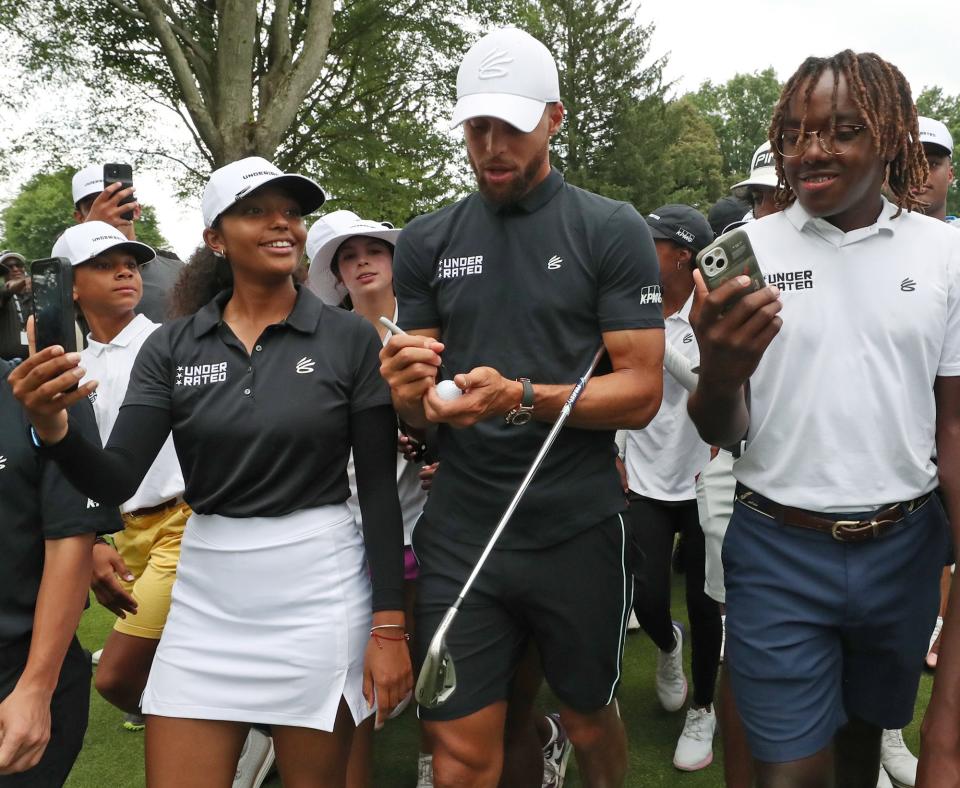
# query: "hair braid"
[[882, 96]]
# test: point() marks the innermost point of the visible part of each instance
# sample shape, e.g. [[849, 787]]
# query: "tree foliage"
[[43, 209], [739, 110]]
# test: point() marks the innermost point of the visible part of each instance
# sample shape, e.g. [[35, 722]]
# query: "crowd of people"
[[267, 487]]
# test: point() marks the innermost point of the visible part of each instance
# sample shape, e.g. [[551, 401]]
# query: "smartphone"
[[120, 173], [54, 319], [729, 255]]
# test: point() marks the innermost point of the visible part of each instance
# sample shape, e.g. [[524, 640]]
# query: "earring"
[[218, 253]]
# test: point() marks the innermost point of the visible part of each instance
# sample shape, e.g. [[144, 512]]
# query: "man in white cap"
[[758, 189], [16, 304], [938, 147], [93, 202], [521, 283]]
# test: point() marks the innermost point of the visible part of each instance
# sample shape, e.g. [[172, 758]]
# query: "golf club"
[[438, 675]]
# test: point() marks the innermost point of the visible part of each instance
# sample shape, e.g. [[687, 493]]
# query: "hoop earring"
[[218, 253]]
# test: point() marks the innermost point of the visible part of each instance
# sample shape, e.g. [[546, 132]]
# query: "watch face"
[[521, 417]]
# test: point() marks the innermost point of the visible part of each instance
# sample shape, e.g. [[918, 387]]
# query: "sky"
[[704, 39]]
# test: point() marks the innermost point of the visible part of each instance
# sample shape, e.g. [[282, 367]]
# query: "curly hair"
[[882, 96]]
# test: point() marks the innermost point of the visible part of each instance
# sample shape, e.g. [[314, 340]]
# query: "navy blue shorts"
[[820, 631], [572, 599]]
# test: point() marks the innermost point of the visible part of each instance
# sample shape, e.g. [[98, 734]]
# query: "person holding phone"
[[47, 530], [275, 618], [97, 199], [843, 377], [16, 305]]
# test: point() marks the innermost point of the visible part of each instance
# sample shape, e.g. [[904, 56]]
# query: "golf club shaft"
[[547, 443]]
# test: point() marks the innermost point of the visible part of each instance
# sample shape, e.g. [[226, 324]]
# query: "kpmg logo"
[[684, 234], [651, 295], [493, 65]]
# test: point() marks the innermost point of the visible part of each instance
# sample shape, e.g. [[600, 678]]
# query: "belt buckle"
[[855, 526]]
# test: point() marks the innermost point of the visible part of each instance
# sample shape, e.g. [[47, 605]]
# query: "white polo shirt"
[[842, 411], [664, 458], [412, 497], [111, 364]]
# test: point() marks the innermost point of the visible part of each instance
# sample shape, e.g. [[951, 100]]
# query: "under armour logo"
[[687, 339], [908, 285], [492, 66], [305, 366], [3, 462], [554, 262]]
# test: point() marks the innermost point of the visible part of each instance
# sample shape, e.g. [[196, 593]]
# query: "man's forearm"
[[721, 418], [625, 398], [60, 601]]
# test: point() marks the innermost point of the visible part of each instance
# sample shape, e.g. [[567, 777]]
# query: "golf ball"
[[447, 389]]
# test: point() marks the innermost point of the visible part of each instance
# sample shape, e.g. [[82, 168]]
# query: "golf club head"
[[438, 676]]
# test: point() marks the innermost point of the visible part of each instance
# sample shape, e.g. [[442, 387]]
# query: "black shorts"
[[572, 599], [69, 710]]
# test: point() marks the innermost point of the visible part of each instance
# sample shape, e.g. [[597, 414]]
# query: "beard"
[[510, 193]]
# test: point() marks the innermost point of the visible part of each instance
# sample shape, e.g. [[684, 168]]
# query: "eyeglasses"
[[835, 142]]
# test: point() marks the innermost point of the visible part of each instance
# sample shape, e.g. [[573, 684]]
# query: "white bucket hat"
[[323, 240], [82, 242], [234, 181], [509, 75]]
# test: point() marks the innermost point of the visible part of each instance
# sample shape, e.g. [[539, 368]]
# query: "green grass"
[[113, 757]]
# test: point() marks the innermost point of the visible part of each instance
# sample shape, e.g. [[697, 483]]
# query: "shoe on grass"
[[883, 781], [671, 683], [134, 722], [95, 657], [256, 760], [695, 746], [897, 760], [556, 753]]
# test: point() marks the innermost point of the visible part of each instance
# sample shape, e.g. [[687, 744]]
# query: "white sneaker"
[[632, 624], [556, 753], [256, 760], [671, 683], [723, 635], [883, 780], [424, 770], [95, 657], [695, 746], [931, 660], [897, 760]]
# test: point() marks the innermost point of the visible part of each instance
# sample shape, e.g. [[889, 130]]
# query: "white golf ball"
[[447, 389]]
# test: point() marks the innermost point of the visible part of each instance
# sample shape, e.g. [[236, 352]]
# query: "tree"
[[43, 209], [933, 103], [739, 111], [349, 94]]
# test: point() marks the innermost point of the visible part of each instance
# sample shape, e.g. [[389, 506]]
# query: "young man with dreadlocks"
[[842, 375]]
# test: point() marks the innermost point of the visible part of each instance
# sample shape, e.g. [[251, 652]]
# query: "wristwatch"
[[524, 411]]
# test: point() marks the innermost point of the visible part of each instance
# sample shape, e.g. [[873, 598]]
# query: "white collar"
[[803, 221], [131, 331]]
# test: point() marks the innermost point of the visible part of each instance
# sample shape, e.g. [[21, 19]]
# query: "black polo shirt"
[[527, 290], [36, 503], [269, 433]]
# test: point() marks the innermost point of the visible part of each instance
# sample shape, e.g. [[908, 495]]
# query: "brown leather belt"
[[842, 530], [154, 509]]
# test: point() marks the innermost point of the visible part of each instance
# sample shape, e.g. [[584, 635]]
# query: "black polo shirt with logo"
[[527, 290], [268, 433], [36, 503]]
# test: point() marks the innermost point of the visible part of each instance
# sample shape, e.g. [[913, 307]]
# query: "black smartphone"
[[120, 173], [54, 319]]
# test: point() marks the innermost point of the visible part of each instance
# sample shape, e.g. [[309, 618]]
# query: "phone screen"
[[123, 174], [53, 312]]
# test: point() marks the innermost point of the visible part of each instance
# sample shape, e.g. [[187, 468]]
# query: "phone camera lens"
[[721, 263]]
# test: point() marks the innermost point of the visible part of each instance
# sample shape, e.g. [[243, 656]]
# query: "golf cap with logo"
[[681, 224], [82, 242], [87, 181], [325, 237], [509, 75], [234, 181], [935, 132], [763, 171]]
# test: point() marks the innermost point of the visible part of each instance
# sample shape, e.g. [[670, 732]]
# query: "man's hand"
[[107, 208], [427, 472], [409, 364], [17, 286], [107, 566], [24, 729], [486, 393], [41, 383], [733, 342]]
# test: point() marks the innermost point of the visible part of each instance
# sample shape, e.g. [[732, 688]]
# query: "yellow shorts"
[[150, 547]]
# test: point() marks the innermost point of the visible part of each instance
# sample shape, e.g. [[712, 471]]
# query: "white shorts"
[[269, 621], [716, 489]]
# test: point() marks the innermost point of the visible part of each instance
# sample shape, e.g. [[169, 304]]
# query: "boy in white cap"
[[758, 189], [521, 282], [92, 202], [938, 148]]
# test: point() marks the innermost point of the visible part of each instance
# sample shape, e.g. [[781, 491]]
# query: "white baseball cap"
[[509, 75], [82, 242], [234, 181], [87, 181], [763, 171], [323, 240], [934, 132]]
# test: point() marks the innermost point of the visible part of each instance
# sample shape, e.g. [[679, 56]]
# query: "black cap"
[[727, 211], [682, 225]]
